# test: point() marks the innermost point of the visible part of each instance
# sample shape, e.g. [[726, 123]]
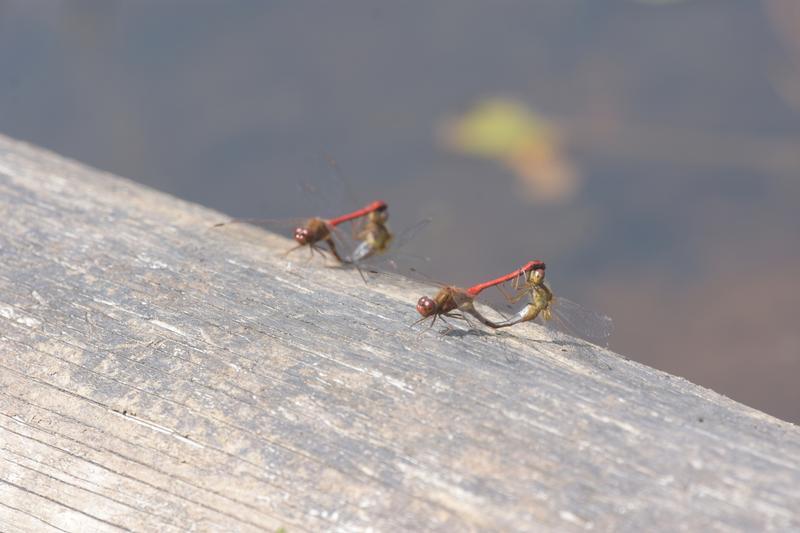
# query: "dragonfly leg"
[[417, 321], [466, 319], [292, 249], [310, 254], [449, 327], [361, 273], [423, 319], [512, 299]]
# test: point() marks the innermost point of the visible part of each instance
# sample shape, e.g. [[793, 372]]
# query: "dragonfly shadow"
[[582, 352], [575, 350], [464, 333]]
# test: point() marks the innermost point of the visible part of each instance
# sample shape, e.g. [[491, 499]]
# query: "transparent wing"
[[342, 188], [343, 240], [396, 259], [278, 225], [576, 320], [409, 233], [404, 274], [327, 192], [286, 226], [461, 297]]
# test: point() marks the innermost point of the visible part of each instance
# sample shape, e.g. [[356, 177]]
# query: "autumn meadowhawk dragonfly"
[[553, 311], [456, 302]]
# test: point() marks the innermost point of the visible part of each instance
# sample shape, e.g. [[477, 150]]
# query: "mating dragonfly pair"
[[370, 234], [373, 238]]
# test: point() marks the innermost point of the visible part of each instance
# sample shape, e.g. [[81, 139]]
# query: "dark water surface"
[[664, 191]]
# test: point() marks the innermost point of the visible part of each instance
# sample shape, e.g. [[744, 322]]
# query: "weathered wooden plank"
[[159, 375]]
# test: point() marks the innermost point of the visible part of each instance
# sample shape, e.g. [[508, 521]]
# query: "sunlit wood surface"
[[158, 375]]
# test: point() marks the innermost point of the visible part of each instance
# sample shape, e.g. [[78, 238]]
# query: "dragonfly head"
[[536, 276], [533, 265], [380, 212], [426, 306], [302, 235], [378, 205]]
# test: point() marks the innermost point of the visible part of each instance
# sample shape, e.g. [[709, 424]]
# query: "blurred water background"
[[649, 151]]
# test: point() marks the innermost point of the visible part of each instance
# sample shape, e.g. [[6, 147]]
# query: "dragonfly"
[[373, 238], [456, 302], [555, 312], [315, 231], [373, 253]]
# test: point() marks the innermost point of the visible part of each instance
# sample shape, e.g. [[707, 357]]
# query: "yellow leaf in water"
[[512, 134], [493, 128]]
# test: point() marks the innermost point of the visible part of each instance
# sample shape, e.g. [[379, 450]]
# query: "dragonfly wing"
[[409, 233], [345, 245], [361, 253], [328, 193], [574, 319], [462, 299], [340, 189], [278, 225], [415, 274], [395, 260], [286, 227]]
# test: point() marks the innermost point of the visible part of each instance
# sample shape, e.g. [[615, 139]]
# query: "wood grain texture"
[[158, 375]]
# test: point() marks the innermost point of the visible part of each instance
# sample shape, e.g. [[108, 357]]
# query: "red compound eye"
[[426, 306], [301, 235]]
